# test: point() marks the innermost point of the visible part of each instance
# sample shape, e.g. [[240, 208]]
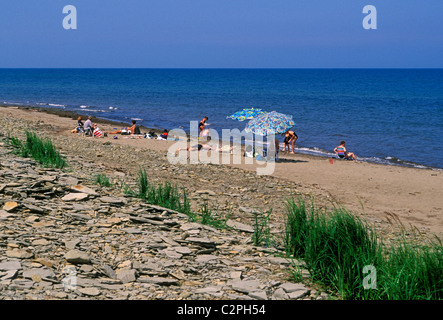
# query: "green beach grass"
[[344, 254], [42, 150]]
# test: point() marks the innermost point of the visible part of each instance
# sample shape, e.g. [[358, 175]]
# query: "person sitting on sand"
[[97, 132], [163, 136], [342, 153], [79, 126], [134, 129], [87, 127], [290, 137]]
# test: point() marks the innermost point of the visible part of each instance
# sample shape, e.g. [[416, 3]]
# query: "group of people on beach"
[[88, 128], [92, 129], [291, 137]]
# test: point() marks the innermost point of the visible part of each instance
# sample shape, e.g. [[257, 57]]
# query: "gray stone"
[[71, 244], [216, 291], [240, 226], [295, 290], [245, 286], [126, 276], [299, 294], [5, 215], [106, 269], [34, 209], [10, 265], [292, 287], [259, 295], [68, 181], [89, 291], [22, 284], [132, 230], [75, 197], [77, 257], [83, 189], [112, 200], [20, 253], [183, 250], [280, 294], [171, 253], [41, 272], [159, 281], [206, 258], [10, 274], [201, 242]]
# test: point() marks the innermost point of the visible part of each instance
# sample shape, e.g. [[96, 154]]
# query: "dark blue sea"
[[388, 116]]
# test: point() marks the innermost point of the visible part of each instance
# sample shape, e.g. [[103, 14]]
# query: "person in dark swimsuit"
[[290, 138], [342, 153]]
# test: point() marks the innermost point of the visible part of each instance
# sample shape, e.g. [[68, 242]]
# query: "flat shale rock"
[[20, 253], [77, 257], [64, 237], [10, 206], [75, 196]]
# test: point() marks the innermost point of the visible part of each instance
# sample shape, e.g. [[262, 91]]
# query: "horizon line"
[[230, 68]]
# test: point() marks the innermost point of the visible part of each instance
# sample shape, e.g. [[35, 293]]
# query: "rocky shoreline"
[[64, 237]]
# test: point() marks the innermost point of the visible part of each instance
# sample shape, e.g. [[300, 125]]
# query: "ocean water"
[[388, 116]]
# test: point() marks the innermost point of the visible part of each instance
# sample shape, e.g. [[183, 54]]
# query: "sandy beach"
[[382, 193]]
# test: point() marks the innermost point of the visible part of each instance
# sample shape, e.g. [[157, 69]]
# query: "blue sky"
[[221, 34]]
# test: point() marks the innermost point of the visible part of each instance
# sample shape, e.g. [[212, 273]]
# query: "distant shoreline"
[[121, 124]]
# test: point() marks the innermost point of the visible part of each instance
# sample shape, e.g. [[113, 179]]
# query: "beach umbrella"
[[246, 114], [270, 123]]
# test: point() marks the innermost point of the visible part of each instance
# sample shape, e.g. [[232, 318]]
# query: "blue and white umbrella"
[[246, 114], [270, 123]]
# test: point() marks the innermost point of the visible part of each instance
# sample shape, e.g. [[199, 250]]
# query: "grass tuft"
[[42, 150], [339, 249]]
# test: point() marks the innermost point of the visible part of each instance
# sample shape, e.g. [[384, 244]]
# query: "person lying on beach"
[[200, 147], [134, 129], [290, 137], [79, 126], [342, 153]]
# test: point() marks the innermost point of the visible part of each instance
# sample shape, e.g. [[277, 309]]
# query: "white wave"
[[56, 105], [94, 110], [84, 107], [113, 108]]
